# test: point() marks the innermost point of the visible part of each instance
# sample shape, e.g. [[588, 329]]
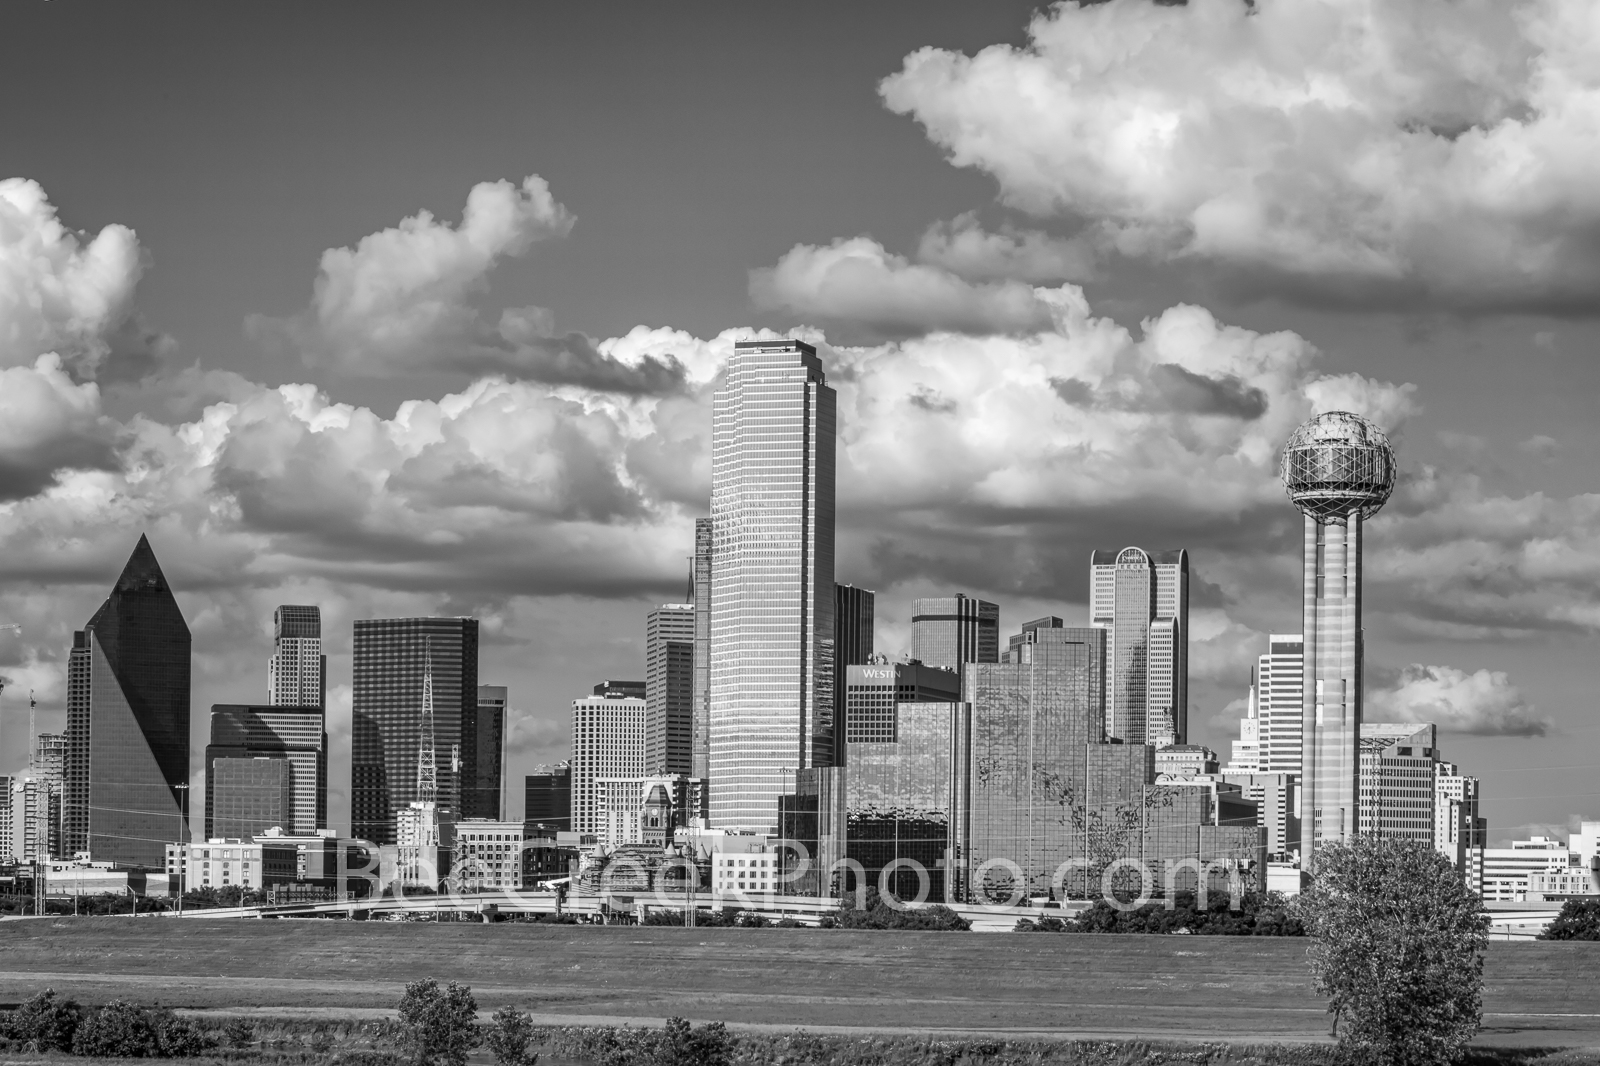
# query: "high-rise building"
[[772, 591], [1458, 827], [608, 741], [391, 656], [700, 596], [952, 631], [547, 796], [853, 611], [246, 796], [48, 766], [297, 673], [481, 789], [1338, 469], [669, 689], [295, 736], [874, 692], [1280, 690], [29, 823], [1397, 781], [127, 757], [1142, 600]]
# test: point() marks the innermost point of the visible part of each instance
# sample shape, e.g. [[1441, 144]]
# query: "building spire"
[[427, 768]]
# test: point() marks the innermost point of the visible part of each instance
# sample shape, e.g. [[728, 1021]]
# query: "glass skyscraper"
[[853, 613], [386, 716], [127, 751], [772, 589], [669, 689], [700, 595], [1141, 599], [951, 631], [483, 755], [296, 736]]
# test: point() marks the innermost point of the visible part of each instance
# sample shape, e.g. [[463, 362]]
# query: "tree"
[[1579, 920], [510, 1036], [1397, 945], [117, 1030], [44, 1022], [441, 1024], [680, 1045]]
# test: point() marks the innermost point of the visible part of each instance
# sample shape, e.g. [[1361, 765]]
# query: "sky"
[[398, 310]]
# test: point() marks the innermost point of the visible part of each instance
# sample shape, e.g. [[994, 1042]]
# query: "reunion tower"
[[1339, 469]]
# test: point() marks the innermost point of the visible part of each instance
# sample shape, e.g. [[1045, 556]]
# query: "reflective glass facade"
[[772, 588], [853, 611], [296, 735], [480, 774], [248, 796], [1142, 600], [700, 574], [386, 709], [951, 631], [874, 693], [547, 796], [669, 689], [897, 799], [127, 749]]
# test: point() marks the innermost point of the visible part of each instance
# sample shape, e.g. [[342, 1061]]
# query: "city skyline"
[[1025, 372]]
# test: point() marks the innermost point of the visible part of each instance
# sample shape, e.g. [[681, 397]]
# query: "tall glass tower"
[[1142, 599], [772, 595], [952, 631], [1339, 469]]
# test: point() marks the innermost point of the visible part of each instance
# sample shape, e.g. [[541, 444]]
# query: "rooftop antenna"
[[427, 770]]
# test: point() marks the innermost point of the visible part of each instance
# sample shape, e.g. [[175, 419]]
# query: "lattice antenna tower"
[[427, 767]]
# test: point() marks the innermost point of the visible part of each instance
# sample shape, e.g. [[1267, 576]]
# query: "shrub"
[[240, 1033], [175, 1037], [679, 1045], [788, 921], [117, 1030], [1579, 920], [44, 1022], [752, 920], [880, 915], [1257, 915], [440, 1023], [1397, 945], [509, 1037]]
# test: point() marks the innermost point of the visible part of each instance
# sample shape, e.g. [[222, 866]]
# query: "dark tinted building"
[[873, 692], [620, 690], [549, 797], [127, 752], [951, 631], [897, 800], [295, 735], [700, 596], [853, 611], [247, 796], [669, 689], [386, 721], [481, 787]]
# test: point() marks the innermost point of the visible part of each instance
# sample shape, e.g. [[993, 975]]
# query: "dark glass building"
[[548, 795], [951, 631], [127, 751], [700, 596], [853, 611], [897, 800], [481, 773], [669, 689], [386, 716], [295, 735], [247, 796]]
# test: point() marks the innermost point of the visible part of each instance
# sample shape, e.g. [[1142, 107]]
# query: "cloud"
[[1432, 151], [857, 281], [1483, 703], [49, 424], [965, 248]]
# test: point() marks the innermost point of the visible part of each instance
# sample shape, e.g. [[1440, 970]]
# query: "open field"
[[1209, 988]]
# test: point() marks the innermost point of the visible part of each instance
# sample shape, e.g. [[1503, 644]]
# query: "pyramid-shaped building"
[[127, 753]]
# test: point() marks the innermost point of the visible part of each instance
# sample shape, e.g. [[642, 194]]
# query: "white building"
[[488, 855], [744, 865], [421, 851], [80, 876], [608, 742], [1396, 790], [1457, 826], [1504, 873], [220, 862], [32, 818], [297, 671], [1280, 684], [1248, 756]]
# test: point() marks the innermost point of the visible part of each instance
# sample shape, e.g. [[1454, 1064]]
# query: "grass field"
[[1185, 988]]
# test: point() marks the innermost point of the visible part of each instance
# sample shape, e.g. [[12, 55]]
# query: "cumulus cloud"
[[1484, 702], [1443, 150], [858, 281], [48, 423], [964, 247]]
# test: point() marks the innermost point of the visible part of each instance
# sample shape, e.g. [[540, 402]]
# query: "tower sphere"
[[1336, 464]]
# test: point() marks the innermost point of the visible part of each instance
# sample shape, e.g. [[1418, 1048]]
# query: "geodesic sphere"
[[1338, 463]]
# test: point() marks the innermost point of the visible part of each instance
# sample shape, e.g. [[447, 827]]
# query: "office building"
[[1141, 599], [608, 741], [873, 692], [700, 596], [1504, 874], [246, 796], [391, 656], [669, 689], [297, 673], [897, 799], [1338, 469], [772, 588], [30, 817], [547, 797], [1397, 785], [1458, 827], [295, 735], [1027, 635], [481, 789], [1277, 807], [951, 631], [488, 855], [1185, 760], [853, 613], [126, 764], [1279, 692]]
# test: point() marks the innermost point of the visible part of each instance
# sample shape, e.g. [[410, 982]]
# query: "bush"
[[440, 1024], [1398, 941], [752, 920], [788, 921], [679, 1045], [1257, 915], [1579, 920], [509, 1037], [880, 915], [240, 1033], [44, 1022], [117, 1030], [175, 1037]]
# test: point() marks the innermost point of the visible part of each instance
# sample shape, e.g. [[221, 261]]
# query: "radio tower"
[[427, 769]]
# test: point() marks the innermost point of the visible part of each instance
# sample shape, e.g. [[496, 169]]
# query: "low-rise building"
[[488, 855], [83, 876], [221, 862]]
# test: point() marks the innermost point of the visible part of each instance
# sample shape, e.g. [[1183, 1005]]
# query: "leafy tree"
[[117, 1030], [509, 1037], [440, 1024], [1579, 920], [1397, 945], [44, 1022]]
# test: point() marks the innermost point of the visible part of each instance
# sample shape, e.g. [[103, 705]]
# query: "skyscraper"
[[700, 595], [1397, 780], [386, 715], [952, 631], [547, 796], [128, 721], [1142, 600], [481, 772], [772, 595], [1280, 688], [853, 611], [608, 741], [295, 736], [669, 689], [1338, 469], [297, 673]]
